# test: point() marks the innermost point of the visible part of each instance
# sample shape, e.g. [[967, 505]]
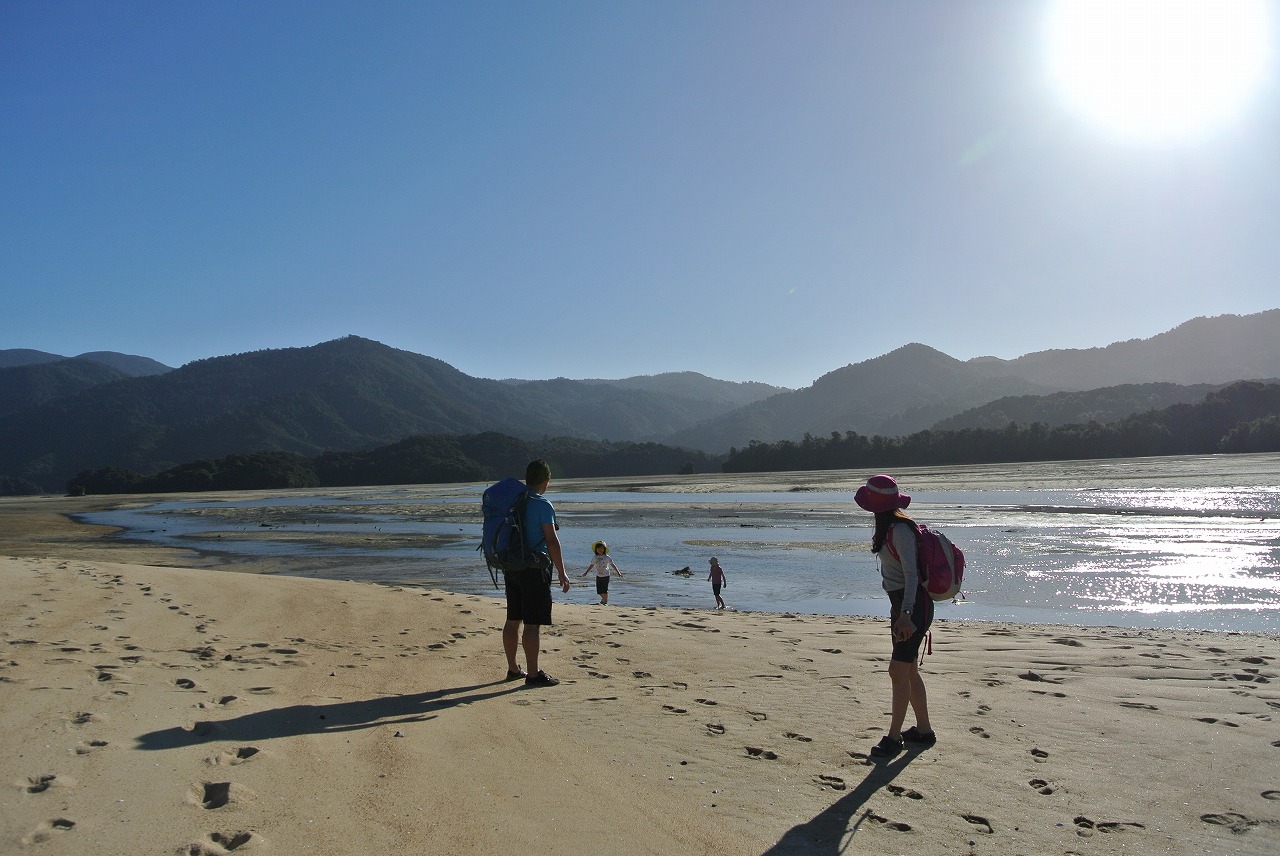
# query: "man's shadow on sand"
[[831, 831], [325, 718]]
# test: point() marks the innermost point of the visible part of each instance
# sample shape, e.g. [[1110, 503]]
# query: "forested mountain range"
[[127, 364], [1203, 350], [27, 386], [1109, 404], [344, 395], [353, 394], [915, 386], [1240, 417]]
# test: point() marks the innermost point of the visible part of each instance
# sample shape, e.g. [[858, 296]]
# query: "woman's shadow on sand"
[[325, 718], [830, 832]]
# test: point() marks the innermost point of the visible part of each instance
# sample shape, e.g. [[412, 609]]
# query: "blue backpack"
[[503, 544]]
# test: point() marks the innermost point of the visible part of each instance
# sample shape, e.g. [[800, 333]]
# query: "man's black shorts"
[[529, 596]]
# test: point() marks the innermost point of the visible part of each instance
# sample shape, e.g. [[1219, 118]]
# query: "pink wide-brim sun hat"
[[880, 493]]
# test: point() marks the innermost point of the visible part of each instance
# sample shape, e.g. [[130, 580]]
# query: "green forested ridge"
[[1242, 417], [352, 395], [344, 395], [914, 387], [29, 386], [1108, 404], [414, 460]]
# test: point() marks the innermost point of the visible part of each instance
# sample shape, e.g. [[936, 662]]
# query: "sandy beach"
[[154, 704]]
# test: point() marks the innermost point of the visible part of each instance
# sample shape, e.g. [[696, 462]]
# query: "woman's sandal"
[[918, 737]]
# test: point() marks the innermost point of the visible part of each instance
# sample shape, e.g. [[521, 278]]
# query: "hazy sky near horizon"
[[751, 190]]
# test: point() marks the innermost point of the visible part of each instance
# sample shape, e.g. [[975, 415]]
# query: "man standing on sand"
[[529, 591]]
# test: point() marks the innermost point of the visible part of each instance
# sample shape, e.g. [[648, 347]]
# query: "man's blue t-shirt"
[[537, 512]]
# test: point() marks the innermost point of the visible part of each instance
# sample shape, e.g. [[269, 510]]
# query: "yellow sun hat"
[[600, 544]]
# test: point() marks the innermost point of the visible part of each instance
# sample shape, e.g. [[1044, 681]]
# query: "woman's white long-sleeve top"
[[895, 574]]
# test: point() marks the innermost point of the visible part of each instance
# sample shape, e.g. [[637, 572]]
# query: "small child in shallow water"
[[603, 566], [717, 578]]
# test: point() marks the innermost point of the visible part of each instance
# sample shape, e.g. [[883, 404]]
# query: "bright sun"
[[1154, 71]]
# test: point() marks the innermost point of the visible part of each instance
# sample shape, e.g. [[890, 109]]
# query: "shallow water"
[[1189, 542]]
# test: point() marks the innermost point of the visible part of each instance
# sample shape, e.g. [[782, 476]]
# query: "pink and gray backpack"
[[941, 563]]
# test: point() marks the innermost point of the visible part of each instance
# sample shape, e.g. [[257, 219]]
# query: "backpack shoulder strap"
[[888, 540]]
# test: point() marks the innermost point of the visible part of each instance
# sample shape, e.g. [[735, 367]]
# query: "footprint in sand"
[[1039, 754], [1237, 823], [791, 735], [1036, 676], [47, 830], [672, 709], [1137, 705], [834, 782], [980, 731], [186, 683], [1270, 795], [219, 843], [1213, 721], [85, 749], [706, 701], [43, 782], [1041, 786], [234, 757], [982, 823], [757, 752], [215, 795], [715, 728], [897, 826], [1086, 827], [900, 791]]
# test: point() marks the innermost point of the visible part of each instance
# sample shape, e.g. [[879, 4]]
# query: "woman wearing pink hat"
[[910, 611]]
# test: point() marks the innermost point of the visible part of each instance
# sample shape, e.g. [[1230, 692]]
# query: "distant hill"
[[353, 394], [126, 364], [11, 357], [1203, 350], [1240, 417], [915, 387], [31, 385], [129, 364], [697, 387], [903, 391], [1109, 404], [344, 395]]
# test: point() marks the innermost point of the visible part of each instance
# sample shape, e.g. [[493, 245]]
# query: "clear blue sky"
[[751, 190]]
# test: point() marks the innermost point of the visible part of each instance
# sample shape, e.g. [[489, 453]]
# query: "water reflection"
[[1077, 542]]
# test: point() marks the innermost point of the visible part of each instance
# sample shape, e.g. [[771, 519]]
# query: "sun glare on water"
[[1158, 71]]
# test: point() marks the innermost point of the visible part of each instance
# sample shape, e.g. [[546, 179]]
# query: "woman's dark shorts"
[[529, 596], [715, 589], [602, 585], [921, 616]]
